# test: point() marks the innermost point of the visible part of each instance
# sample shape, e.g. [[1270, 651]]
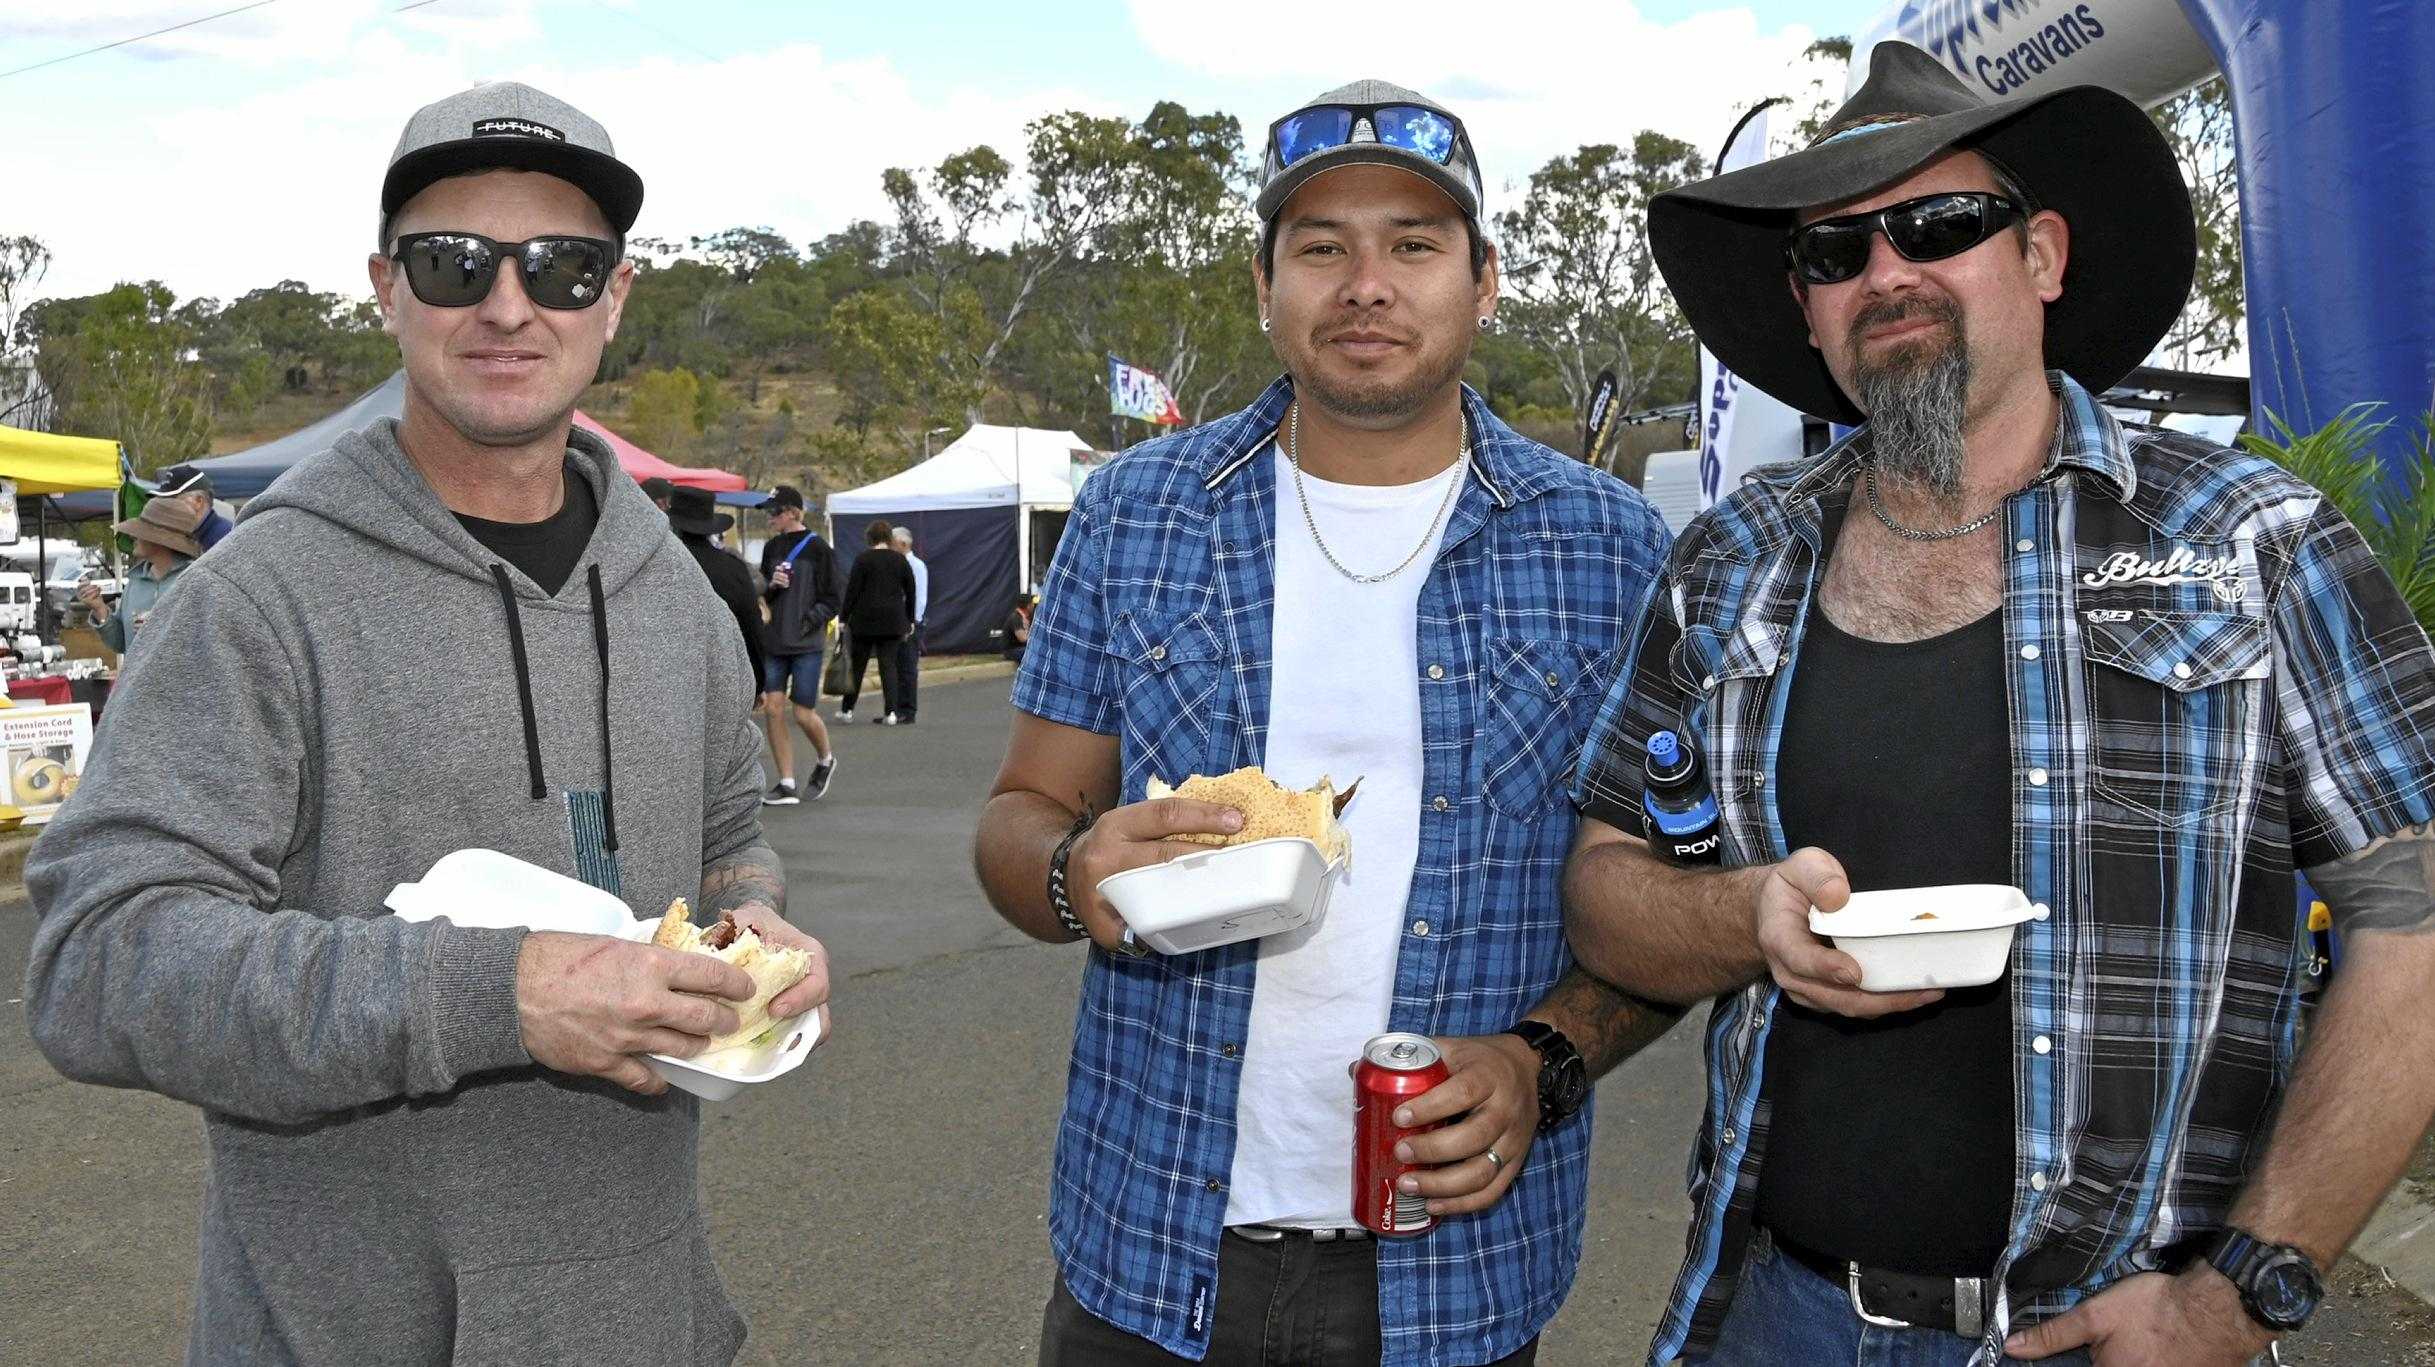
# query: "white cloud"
[[242, 191], [1536, 80]]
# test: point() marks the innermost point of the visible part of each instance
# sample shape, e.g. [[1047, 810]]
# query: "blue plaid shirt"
[[2209, 679], [1154, 627]]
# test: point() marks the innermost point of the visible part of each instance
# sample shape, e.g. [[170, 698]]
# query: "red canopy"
[[643, 465]]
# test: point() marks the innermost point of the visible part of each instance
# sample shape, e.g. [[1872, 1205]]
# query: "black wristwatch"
[[1564, 1082], [2279, 1285]]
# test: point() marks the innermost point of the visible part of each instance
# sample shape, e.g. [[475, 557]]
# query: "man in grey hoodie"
[[432, 1143]]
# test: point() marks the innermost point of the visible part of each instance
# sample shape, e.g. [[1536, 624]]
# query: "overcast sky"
[[248, 149]]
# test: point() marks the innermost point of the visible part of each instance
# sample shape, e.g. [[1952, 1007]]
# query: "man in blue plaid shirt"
[[2000, 637], [1364, 575]]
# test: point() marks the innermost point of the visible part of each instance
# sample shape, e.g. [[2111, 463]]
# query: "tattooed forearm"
[[2390, 885], [751, 874], [1605, 1023]]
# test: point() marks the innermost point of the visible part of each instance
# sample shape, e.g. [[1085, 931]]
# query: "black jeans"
[[866, 649], [908, 674], [1292, 1303]]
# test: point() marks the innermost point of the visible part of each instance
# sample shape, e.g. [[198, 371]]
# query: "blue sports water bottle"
[[1683, 826]]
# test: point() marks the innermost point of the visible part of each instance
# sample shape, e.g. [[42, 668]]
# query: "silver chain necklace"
[[1869, 477], [1293, 457]]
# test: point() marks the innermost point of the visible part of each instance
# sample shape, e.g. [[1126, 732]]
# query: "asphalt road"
[[885, 1204]]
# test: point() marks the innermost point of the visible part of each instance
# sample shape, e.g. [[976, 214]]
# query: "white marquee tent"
[[985, 515]]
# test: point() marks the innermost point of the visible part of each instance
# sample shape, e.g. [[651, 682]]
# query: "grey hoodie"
[[329, 703]]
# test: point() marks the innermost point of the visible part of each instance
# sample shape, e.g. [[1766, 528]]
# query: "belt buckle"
[[1852, 1281], [1258, 1234]]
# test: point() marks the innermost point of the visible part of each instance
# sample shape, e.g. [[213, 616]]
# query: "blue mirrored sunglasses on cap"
[[1414, 128]]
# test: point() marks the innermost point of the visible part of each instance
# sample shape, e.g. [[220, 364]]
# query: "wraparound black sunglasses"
[[457, 270], [1929, 228]]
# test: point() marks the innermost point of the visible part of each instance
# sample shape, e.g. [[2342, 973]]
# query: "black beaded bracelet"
[[1060, 899]]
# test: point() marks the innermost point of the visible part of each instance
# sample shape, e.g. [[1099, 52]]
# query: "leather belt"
[[1269, 1234], [1898, 1300]]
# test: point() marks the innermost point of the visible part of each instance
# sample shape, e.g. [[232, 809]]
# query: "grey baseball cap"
[[1423, 124], [511, 125]]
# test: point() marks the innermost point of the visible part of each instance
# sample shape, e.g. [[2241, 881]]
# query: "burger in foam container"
[[1273, 875], [1914, 939]]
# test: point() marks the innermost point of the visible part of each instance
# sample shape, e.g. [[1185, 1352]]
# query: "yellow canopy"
[[42, 463]]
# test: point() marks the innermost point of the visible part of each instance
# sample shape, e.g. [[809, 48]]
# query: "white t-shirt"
[[1344, 703], [921, 588]]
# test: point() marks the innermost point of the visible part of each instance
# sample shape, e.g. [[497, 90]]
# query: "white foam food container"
[[1913, 939], [1239, 892], [490, 890]]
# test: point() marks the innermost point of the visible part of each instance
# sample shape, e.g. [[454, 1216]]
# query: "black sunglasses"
[[1929, 228], [457, 270]]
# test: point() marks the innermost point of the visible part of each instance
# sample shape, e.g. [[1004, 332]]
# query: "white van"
[[16, 602]]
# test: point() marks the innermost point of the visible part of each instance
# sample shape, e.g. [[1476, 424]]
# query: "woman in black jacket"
[[878, 613]]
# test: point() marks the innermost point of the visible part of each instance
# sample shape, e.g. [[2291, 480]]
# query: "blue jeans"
[[1785, 1315]]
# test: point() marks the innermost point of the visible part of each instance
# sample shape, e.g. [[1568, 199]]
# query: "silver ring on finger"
[[1495, 1159]]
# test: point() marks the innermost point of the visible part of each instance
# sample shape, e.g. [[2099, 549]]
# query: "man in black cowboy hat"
[[693, 514], [2000, 637]]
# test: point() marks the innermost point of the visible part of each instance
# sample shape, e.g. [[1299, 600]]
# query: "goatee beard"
[[1375, 401], [1917, 399]]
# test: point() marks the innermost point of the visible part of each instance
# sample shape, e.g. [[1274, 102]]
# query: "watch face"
[[1572, 1082], [2287, 1292]]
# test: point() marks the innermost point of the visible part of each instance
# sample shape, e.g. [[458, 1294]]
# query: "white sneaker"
[[845, 714], [888, 720]]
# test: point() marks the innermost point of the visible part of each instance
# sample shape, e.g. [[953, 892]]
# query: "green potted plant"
[[2339, 460]]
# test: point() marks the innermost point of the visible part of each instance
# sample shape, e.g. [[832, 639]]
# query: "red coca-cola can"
[[1393, 1069]]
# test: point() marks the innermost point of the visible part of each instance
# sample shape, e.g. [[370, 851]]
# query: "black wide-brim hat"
[[2085, 152], [695, 510]]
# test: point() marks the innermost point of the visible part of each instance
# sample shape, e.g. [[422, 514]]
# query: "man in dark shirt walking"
[[693, 515], [879, 613], [801, 588]]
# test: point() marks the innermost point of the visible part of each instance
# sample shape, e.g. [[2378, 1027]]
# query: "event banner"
[[1739, 428], [43, 752], [1136, 393], [1598, 426]]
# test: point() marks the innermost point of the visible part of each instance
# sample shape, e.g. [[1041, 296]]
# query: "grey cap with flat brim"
[[2085, 152], [1459, 177], [505, 124]]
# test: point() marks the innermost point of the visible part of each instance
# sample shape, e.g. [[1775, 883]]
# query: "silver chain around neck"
[[1869, 478], [1293, 457]]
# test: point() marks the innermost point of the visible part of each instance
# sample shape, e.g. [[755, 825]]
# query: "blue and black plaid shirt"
[[2209, 679], [1154, 627]]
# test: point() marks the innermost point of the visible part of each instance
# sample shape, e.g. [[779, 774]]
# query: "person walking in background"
[[1015, 632], [695, 518], [800, 573], [879, 613], [165, 545], [909, 651], [194, 486], [660, 491]]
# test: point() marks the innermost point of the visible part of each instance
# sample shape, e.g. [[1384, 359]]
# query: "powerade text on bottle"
[[1675, 797]]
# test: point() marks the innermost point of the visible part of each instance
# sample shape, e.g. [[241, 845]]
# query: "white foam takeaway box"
[[1913, 939], [1239, 892], [489, 890]]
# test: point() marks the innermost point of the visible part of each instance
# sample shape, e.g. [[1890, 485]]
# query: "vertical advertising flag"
[[1739, 427], [1599, 423], [1136, 393]]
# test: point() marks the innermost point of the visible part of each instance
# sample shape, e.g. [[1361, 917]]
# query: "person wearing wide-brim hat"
[[165, 544], [693, 514], [2122, 680]]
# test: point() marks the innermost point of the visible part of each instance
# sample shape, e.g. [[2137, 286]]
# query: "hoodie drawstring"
[[608, 760], [524, 697], [524, 680]]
